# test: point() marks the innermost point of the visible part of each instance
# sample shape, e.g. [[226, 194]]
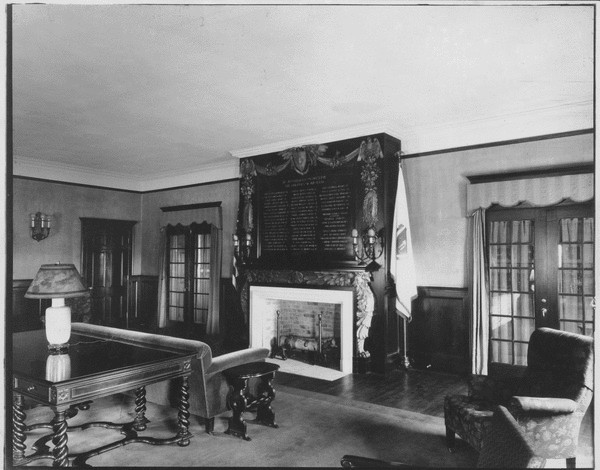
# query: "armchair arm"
[[236, 358], [507, 445], [543, 405]]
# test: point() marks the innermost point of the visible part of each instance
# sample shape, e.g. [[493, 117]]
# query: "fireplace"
[[266, 301]]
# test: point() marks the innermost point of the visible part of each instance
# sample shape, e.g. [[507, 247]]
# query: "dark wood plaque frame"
[[356, 164]]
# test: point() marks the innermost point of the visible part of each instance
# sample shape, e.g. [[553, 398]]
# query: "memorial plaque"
[[306, 218]]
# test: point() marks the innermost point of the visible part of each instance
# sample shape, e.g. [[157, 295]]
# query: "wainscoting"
[[438, 335], [142, 303], [26, 313]]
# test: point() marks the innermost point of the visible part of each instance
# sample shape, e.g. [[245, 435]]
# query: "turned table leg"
[[183, 422], [59, 439], [139, 423], [18, 428]]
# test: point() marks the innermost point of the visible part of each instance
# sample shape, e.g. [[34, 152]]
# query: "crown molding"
[[331, 136], [42, 169], [431, 139], [216, 171]]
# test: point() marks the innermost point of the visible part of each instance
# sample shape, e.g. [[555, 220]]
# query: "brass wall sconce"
[[40, 226], [371, 247], [242, 247]]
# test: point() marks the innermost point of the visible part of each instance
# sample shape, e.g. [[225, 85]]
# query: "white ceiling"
[[151, 96]]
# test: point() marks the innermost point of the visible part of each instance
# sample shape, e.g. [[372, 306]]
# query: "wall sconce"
[[40, 226], [371, 249], [242, 247]]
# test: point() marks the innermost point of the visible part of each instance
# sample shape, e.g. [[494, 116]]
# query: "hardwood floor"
[[421, 391]]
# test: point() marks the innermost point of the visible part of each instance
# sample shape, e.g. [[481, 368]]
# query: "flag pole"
[[405, 361]]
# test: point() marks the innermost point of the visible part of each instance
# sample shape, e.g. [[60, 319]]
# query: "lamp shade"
[[56, 281]]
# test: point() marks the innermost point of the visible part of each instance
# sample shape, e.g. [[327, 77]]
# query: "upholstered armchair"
[[548, 401], [506, 446], [208, 387]]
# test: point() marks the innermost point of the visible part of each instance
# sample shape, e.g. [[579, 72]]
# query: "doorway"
[[106, 266], [541, 274]]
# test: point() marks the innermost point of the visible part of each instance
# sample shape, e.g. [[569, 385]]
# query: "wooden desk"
[[95, 366]]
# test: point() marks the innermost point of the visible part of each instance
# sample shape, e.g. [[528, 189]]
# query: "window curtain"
[[480, 324], [162, 278], [216, 253]]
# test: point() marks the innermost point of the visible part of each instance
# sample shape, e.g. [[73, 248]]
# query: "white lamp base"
[[58, 323]]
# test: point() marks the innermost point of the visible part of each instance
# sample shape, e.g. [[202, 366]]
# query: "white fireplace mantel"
[[261, 315]]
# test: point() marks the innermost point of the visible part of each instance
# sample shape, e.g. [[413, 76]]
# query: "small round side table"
[[240, 399]]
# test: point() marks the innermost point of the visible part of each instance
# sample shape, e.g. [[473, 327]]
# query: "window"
[[541, 273]]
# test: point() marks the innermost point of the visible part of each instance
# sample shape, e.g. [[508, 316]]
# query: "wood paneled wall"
[[26, 313], [438, 335], [142, 310]]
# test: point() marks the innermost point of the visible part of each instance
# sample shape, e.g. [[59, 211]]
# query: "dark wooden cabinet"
[[438, 335], [106, 267]]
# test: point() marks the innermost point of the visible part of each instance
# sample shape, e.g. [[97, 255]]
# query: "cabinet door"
[[541, 274]]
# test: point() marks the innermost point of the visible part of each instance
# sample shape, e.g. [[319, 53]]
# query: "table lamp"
[[57, 282]]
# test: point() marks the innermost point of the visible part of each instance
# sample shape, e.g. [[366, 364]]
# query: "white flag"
[[402, 266]]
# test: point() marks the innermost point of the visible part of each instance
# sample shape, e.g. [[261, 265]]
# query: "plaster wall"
[[436, 186], [226, 192], [65, 204], [437, 192]]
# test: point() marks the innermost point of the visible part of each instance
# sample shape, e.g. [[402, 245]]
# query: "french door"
[[541, 273], [189, 279]]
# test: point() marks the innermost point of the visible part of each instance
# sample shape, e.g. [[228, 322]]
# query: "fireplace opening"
[[309, 332], [303, 305]]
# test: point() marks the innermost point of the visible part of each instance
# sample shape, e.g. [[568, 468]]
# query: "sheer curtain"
[[479, 332], [162, 278]]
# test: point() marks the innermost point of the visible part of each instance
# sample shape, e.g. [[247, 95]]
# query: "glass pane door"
[[177, 291], [512, 289], [202, 278], [541, 274], [576, 274]]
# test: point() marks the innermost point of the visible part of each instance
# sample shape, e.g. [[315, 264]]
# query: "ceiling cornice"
[[227, 170], [332, 136], [52, 171]]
